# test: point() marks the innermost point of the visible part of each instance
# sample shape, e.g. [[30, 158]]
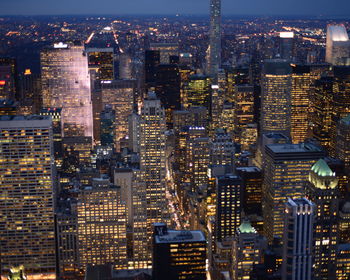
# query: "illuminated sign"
[[60, 45], [2, 83], [286, 34]]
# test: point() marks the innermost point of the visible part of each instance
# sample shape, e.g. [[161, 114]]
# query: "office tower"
[[228, 116], [152, 61], [178, 254], [286, 40], [101, 218], [66, 84], [337, 45], [249, 137], [133, 193], [8, 73], [302, 79], [286, 173], [322, 111], [125, 67], [252, 178], [342, 141], [27, 233], [344, 223], [228, 206], [343, 263], [222, 149], [214, 62], [322, 190], [67, 239], [166, 51], [119, 94], [197, 92], [168, 89], [29, 92], [297, 239], [192, 116], [247, 251], [216, 106], [243, 109], [340, 100], [101, 61], [152, 158], [197, 158], [276, 97]]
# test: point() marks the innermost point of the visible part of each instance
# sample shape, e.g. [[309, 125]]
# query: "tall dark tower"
[[215, 38]]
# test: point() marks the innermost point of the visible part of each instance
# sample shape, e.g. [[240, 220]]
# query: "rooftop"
[[177, 236], [322, 169], [246, 227], [337, 33]]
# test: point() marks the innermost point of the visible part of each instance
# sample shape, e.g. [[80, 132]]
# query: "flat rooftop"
[[178, 236]]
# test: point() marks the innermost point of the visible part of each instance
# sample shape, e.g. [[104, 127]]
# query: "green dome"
[[322, 169], [246, 227]]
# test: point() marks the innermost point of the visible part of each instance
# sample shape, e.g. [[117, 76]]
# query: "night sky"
[[168, 7]]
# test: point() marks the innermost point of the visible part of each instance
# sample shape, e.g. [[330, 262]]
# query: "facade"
[[228, 206], [343, 262], [27, 231], [101, 216], [178, 254], [337, 45], [222, 149], [119, 95], [152, 158], [166, 51], [101, 61], [7, 78], [286, 173], [247, 251], [342, 141], [66, 84], [214, 62], [298, 239], [276, 97], [302, 79], [322, 190]]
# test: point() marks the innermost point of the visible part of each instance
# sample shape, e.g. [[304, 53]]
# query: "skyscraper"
[[276, 97], [66, 84], [297, 239], [228, 206], [152, 158], [342, 141], [322, 190], [286, 172], [214, 62], [101, 216], [337, 45], [178, 254], [27, 233], [7, 78]]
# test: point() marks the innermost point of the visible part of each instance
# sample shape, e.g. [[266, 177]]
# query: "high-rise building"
[[198, 92], [152, 61], [166, 51], [286, 173], [178, 254], [322, 111], [152, 158], [66, 84], [222, 149], [228, 206], [7, 78], [247, 251], [344, 223], [29, 92], [27, 231], [134, 132], [168, 89], [252, 178], [287, 44], [300, 94], [107, 126], [101, 216], [276, 97], [343, 261], [337, 45], [297, 239], [101, 60], [342, 141], [214, 62], [322, 190], [119, 94]]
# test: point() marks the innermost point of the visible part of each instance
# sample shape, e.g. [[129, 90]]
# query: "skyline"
[[167, 7]]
